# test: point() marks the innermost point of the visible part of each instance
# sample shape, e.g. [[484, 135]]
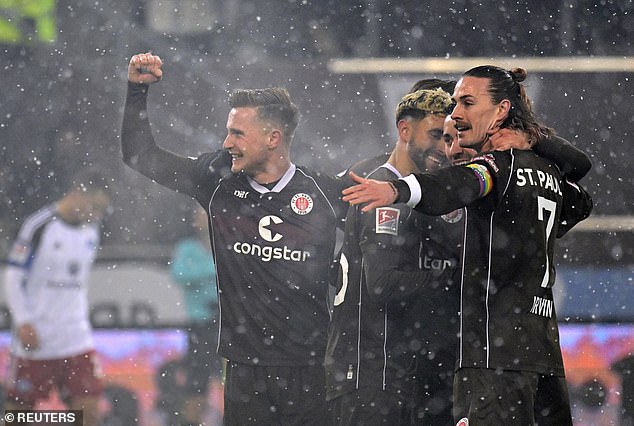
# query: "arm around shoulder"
[[573, 162]]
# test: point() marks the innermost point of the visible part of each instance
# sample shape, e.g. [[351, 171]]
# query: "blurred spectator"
[[46, 284], [625, 368], [121, 406], [192, 267]]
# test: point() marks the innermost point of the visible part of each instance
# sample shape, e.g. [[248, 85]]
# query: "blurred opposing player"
[[46, 286]]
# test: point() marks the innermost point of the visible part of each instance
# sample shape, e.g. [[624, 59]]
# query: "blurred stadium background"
[[62, 84]]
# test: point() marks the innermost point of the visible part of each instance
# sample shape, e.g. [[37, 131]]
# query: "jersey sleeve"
[[451, 188], [332, 187], [19, 262], [14, 277], [141, 153], [573, 163], [577, 206]]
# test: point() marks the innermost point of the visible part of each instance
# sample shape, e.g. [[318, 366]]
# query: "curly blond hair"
[[425, 102]]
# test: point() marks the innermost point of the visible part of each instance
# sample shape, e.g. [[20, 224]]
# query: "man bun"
[[518, 74]]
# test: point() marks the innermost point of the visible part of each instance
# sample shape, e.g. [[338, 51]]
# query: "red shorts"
[[77, 376]]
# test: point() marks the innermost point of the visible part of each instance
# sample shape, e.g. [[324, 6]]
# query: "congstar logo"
[[266, 253], [265, 232]]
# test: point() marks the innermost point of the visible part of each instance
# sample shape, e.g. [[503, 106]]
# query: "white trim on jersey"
[[384, 385], [281, 184], [392, 169], [359, 323], [332, 208], [212, 241], [511, 172], [489, 260], [462, 275], [486, 300], [416, 193]]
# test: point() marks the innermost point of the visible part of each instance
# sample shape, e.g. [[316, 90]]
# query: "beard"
[[427, 160]]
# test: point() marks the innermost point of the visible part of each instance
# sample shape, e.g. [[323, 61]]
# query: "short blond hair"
[[424, 102]]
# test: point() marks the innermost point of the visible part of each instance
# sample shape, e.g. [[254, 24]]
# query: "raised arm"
[[138, 146]]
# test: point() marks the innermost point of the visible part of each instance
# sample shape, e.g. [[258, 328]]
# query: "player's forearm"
[[136, 134], [573, 162], [440, 192], [138, 147], [140, 151]]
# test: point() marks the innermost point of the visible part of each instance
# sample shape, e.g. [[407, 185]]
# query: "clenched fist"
[[145, 68]]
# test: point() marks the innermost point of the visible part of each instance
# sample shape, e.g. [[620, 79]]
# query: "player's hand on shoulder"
[[505, 139], [28, 337], [145, 68]]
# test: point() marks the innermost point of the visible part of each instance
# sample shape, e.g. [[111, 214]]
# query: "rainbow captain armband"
[[484, 176]]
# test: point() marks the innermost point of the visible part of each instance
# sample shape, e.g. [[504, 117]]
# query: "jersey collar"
[[280, 184], [392, 169]]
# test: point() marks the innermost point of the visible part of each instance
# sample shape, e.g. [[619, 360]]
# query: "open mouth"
[[235, 156], [436, 158], [459, 161], [462, 127]]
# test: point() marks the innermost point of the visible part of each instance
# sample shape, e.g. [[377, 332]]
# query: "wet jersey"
[[273, 248], [514, 203], [394, 298], [46, 284]]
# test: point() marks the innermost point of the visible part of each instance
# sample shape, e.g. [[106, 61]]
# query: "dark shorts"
[[75, 377], [370, 407], [433, 397], [202, 361], [512, 398], [288, 396]]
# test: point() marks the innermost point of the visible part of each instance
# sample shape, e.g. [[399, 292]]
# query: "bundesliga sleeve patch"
[[486, 181], [387, 220]]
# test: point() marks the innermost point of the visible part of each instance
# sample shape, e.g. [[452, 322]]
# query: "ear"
[[503, 109], [404, 129], [275, 139]]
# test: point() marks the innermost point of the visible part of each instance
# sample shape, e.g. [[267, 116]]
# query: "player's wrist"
[[394, 192], [137, 88], [409, 191], [402, 191]]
